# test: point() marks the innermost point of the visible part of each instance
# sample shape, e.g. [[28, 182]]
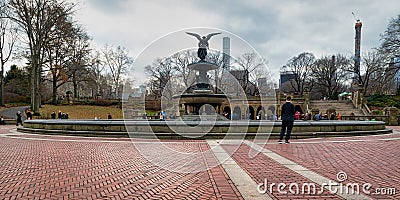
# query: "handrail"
[[367, 108]]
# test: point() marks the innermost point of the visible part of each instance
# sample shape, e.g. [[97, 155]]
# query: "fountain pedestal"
[[201, 101]]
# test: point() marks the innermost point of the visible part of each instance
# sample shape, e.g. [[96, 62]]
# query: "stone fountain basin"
[[199, 98], [203, 66], [160, 129]]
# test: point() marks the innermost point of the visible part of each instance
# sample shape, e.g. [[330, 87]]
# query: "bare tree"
[[58, 54], [378, 74], [330, 73], [79, 60], [390, 48], [216, 58], [390, 45], [160, 72], [374, 74], [118, 62], [180, 62], [37, 19], [8, 37], [96, 69], [300, 67], [247, 64]]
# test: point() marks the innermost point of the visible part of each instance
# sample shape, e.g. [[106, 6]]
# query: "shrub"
[[103, 102], [383, 101]]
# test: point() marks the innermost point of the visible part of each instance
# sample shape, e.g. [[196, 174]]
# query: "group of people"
[[227, 115], [289, 115], [28, 113], [316, 117], [163, 115], [60, 115], [332, 116], [109, 116], [19, 115]]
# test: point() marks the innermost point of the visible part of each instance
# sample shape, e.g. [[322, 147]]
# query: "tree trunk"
[[75, 84], [75, 90], [33, 88], [116, 92], [2, 85], [54, 94], [38, 96], [35, 81]]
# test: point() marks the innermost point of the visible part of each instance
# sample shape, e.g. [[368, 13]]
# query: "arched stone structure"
[[261, 112], [250, 114], [298, 108], [237, 113], [228, 112]]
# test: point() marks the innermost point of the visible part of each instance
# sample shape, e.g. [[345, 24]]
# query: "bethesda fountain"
[[200, 102], [200, 108]]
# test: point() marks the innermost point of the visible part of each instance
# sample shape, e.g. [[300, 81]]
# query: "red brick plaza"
[[67, 167]]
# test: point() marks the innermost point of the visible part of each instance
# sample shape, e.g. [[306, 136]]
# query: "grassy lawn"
[[82, 111]]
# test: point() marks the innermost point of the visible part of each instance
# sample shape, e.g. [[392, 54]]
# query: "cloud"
[[108, 6], [278, 30]]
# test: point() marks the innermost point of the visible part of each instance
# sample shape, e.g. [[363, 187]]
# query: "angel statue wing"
[[195, 35], [211, 34]]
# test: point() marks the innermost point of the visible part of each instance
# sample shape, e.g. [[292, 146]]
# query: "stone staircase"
[[345, 108]]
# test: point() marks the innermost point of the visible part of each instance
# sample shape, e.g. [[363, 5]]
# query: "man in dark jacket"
[[287, 116], [19, 118]]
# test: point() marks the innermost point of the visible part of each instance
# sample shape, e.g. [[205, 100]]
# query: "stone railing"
[[367, 118]]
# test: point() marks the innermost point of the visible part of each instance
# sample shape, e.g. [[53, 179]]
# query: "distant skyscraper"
[[357, 50], [284, 81], [226, 48], [285, 77]]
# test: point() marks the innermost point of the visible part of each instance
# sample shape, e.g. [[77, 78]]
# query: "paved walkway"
[[10, 113], [67, 167]]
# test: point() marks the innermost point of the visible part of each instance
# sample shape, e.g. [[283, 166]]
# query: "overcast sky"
[[278, 30]]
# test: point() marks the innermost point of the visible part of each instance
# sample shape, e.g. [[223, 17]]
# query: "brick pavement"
[[40, 169], [396, 128], [261, 167], [374, 161], [67, 167]]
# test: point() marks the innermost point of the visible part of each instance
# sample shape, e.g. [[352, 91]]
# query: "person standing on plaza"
[[287, 115], [19, 118]]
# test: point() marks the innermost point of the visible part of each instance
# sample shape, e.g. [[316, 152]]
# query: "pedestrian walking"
[[19, 118], [287, 114]]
